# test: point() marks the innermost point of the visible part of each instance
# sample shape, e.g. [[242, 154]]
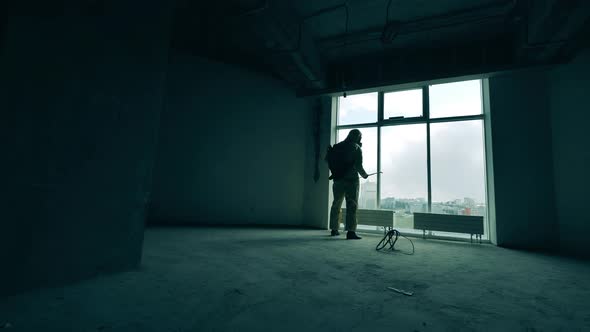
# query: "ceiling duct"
[[390, 31], [477, 14]]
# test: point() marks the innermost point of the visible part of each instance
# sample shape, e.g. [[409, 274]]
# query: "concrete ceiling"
[[321, 46]]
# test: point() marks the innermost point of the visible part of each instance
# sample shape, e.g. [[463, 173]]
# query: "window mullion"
[[379, 122], [426, 112]]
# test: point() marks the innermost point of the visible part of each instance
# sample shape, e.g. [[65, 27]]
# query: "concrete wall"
[[316, 194], [523, 160], [81, 96], [541, 157], [232, 148], [570, 114]]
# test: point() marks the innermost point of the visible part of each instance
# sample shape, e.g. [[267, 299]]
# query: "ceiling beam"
[[410, 66]]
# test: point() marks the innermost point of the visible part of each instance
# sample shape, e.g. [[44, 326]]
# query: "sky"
[[457, 155]]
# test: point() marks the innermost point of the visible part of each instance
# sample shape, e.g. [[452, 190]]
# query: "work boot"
[[352, 236], [334, 232]]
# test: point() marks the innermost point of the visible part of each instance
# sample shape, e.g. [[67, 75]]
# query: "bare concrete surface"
[[254, 279]]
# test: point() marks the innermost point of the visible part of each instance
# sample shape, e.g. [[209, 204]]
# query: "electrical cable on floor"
[[390, 239]]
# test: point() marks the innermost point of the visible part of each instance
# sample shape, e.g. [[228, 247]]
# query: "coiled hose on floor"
[[390, 239]]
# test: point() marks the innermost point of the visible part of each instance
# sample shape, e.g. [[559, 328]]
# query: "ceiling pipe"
[[414, 26], [550, 33], [313, 15], [454, 13], [254, 11], [527, 42], [296, 52]]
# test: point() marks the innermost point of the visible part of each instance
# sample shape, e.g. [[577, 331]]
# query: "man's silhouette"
[[346, 163]]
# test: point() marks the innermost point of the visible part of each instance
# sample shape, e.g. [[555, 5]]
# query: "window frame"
[[384, 92], [360, 125], [426, 119]]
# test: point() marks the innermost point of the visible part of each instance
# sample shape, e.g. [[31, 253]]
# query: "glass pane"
[[458, 168], [357, 109], [402, 103], [368, 187], [455, 99], [404, 187]]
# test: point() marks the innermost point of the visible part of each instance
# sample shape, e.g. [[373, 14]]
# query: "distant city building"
[[407, 206], [368, 195], [388, 203]]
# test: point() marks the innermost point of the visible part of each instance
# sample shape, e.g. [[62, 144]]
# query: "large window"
[[455, 99], [403, 104], [457, 160], [357, 109], [404, 186], [428, 142]]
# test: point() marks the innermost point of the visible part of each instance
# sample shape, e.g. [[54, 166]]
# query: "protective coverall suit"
[[346, 181]]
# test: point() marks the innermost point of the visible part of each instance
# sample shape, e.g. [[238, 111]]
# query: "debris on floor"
[[401, 291], [5, 326]]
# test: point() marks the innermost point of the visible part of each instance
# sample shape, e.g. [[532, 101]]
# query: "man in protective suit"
[[346, 163]]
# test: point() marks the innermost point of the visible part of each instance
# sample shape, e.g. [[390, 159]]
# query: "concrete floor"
[[219, 279]]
